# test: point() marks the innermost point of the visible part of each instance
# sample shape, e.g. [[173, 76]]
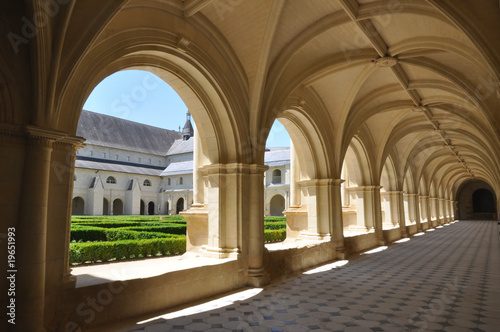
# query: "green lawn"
[[109, 238]]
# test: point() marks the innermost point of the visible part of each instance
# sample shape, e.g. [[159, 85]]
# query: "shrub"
[[275, 225], [167, 228], [274, 235], [88, 234], [104, 251]]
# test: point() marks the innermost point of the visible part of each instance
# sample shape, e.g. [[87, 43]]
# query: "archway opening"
[[151, 208], [78, 207], [105, 207], [477, 201], [117, 207], [277, 205], [142, 208], [179, 206]]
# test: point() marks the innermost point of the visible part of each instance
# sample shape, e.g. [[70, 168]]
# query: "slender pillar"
[[253, 207], [338, 225], [434, 211], [424, 217], [442, 213], [377, 210], [198, 187], [402, 216], [416, 206], [319, 208], [31, 230], [294, 179], [58, 273]]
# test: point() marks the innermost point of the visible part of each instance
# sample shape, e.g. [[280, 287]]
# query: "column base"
[[315, 236], [258, 278], [212, 252], [340, 253]]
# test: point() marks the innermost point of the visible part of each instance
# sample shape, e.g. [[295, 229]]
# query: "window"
[[150, 161], [104, 155], [116, 157], [91, 153], [110, 179], [276, 176], [147, 183], [169, 182], [128, 158], [140, 159], [180, 180]]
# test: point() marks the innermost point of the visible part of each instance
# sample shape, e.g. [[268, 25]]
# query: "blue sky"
[[143, 97]]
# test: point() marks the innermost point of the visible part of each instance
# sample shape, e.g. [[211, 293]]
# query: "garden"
[[110, 238]]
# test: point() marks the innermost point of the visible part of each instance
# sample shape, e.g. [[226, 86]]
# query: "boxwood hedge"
[[105, 251]]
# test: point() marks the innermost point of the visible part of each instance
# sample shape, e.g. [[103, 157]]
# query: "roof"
[[181, 146], [104, 130], [178, 168], [103, 166], [277, 157]]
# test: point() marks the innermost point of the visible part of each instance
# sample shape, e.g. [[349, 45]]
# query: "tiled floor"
[[444, 280]]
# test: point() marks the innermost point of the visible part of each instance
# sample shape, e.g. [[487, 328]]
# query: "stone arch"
[[222, 128], [117, 207], [78, 206], [477, 200], [142, 209], [179, 205], [105, 206], [277, 205], [151, 208]]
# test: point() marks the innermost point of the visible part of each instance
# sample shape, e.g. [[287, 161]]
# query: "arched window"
[[180, 181], [110, 179], [276, 176], [147, 183]]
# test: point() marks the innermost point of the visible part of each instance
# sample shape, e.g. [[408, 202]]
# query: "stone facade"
[[115, 178]]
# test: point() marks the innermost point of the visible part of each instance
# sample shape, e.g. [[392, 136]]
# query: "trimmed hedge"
[[89, 234], [169, 229], [105, 251], [275, 225], [274, 235]]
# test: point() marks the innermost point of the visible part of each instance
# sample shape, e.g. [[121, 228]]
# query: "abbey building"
[[135, 169]]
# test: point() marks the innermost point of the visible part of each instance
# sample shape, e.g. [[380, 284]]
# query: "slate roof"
[[277, 157], [108, 131], [178, 168], [180, 146], [103, 166]]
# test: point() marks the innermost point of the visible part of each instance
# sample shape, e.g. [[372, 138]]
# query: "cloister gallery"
[[395, 101]]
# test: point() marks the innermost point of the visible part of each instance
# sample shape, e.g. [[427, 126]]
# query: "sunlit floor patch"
[[430, 230], [373, 251], [419, 234], [212, 305], [439, 227], [327, 267], [402, 240]]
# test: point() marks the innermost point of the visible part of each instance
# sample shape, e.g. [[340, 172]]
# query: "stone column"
[[416, 211], [198, 183], [441, 209], [319, 205], [401, 212], [377, 210], [338, 225], [425, 210], [369, 210], [253, 207], [58, 273], [294, 179], [31, 230], [434, 211]]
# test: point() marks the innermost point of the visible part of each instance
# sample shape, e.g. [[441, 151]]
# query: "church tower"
[[188, 130]]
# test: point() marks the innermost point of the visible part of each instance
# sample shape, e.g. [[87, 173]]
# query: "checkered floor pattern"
[[444, 280]]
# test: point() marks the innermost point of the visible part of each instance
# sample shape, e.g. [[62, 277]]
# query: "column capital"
[[234, 168], [76, 143]]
